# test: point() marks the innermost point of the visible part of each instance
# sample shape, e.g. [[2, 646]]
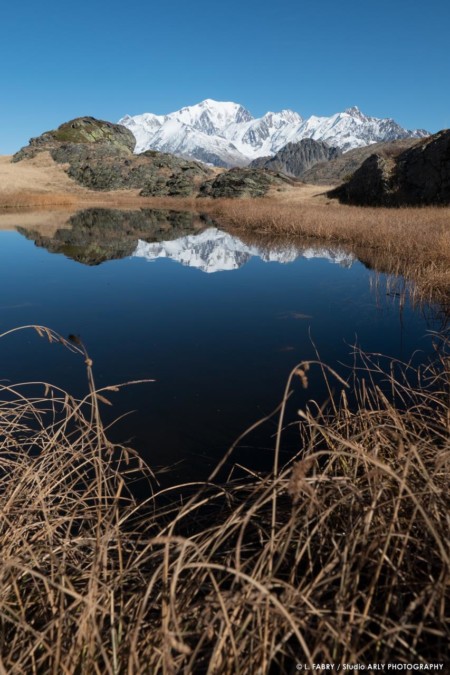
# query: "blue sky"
[[106, 59]]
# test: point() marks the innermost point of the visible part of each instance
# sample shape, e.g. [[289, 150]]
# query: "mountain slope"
[[226, 134], [353, 129]]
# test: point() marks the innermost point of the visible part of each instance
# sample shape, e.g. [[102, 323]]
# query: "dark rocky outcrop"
[[246, 182], [83, 130], [96, 235], [296, 158], [154, 173], [417, 176], [341, 168], [99, 156]]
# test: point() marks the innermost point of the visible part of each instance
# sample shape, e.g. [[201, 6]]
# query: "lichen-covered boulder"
[[84, 130]]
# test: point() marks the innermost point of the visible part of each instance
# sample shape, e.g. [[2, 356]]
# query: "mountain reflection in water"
[[216, 251], [96, 235]]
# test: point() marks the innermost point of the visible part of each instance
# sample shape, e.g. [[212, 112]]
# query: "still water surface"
[[216, 321]]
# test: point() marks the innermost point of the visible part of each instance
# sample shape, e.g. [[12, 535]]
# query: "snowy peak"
[[276, 120], [226, 134], [212, 117], [196, 131], [354, 111], [353, 129]]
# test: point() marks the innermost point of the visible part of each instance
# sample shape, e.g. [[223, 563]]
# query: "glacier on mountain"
[[216, 251], [226, 134]]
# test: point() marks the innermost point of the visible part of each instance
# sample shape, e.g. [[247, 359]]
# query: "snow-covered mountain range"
[[226, 134], [216, 251]]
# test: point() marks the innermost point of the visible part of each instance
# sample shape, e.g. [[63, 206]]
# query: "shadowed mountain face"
[[296, 158], [94, 236]]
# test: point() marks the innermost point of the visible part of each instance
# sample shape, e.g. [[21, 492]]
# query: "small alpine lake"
[[218, 321]]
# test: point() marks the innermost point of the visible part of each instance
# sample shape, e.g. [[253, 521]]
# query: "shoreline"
[[410, 241]]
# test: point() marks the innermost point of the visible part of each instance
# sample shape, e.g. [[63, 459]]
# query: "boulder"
[[84, 130], [417, 176]]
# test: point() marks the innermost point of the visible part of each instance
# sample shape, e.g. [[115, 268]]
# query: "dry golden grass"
[[19, 201], [39, 200], [341, 556]]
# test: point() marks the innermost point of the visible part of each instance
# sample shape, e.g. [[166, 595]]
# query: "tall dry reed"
[[340, 556]]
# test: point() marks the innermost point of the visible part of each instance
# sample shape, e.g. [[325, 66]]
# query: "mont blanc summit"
[[227, 134]]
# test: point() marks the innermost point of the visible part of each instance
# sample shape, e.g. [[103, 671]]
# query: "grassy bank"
[[413, 242], [340, 556]]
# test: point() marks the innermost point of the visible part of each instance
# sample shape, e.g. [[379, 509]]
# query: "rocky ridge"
[[82, 130], [244, 182]]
